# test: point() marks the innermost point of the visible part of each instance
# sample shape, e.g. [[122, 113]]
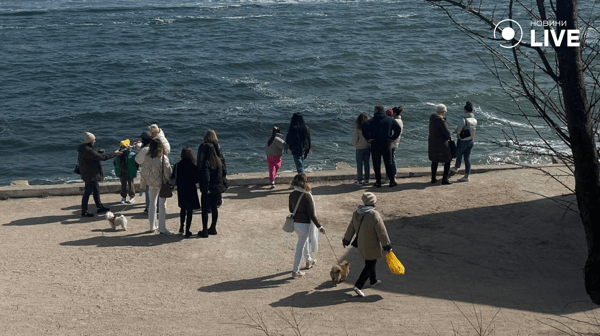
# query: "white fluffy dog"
[[115, 221]]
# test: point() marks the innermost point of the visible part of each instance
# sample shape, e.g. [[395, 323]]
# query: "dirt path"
[[488, 245]]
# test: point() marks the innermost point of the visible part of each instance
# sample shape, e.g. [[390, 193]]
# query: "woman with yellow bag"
[[371, 239]]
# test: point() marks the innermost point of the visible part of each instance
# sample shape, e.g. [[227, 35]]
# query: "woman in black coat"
[[298, 140], [438, 143], [212, 185], [90, 168], [185, 176]]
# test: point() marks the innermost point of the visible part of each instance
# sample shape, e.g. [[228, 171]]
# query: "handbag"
[[288, 226], [466, 132], [452, 146], [355, 241], [166, 189], [76, 170]]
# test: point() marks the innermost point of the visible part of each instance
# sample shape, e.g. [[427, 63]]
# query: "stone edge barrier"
[[343, 174]]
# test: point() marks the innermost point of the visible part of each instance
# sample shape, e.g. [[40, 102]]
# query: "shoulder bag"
[[466, 131], [289, 220], [166, 189]]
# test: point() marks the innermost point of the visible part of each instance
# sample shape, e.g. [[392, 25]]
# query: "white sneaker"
[[463, 179], [166, 233], [296, 275], [454, 169], [366, 182], [272, 184], [132, 200], [123, 200], [359, 292], [376, 284], [310, 264], [359, 183]]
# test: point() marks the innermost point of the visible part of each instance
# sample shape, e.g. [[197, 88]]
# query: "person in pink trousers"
[[274, 149]]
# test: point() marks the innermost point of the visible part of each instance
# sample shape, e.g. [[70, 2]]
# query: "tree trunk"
[[583, 146]]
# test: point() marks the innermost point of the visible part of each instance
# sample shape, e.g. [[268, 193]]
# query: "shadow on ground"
[[136, 239], [522, 256], [268, 281]]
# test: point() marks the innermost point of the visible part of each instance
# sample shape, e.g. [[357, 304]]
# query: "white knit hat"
[[441, 108], [89, 137], [369, 198]]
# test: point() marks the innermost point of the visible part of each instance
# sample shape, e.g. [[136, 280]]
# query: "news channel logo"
[[512, 32]]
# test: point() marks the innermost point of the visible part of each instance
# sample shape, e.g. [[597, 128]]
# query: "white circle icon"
[[508, 33]]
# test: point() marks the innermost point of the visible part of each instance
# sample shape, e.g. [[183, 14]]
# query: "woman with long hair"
[[211, 170], [298, 140], [363, 150], [185, 175], [156, 169], [210, 137], [274, 149], [306, 223]]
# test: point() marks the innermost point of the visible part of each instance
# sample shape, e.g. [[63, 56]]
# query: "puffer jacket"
[[372, 236], [90, 163], [155, 171]]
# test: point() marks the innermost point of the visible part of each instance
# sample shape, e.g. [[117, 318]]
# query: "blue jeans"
[[362, 160], [463, 148], [299, 161]]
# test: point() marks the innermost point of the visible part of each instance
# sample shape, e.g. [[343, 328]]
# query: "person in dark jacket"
[[438, 146], [381, 130], [306, 224], [298, 140], [185, 176], [211, 137], [211, 171], [90, 168]]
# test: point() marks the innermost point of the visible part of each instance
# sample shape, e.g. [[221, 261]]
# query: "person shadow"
[[140, 239], [321, 297], [267, 281]]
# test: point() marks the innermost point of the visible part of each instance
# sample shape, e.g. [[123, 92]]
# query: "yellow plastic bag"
[[394, 264]]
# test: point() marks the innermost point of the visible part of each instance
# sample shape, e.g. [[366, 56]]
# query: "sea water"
[[113, 67]]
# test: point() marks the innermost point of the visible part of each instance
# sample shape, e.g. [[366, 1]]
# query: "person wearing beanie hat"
[[438, 148], [369, 198], [371, 239], [381, 130], [90, 168], [89, 137]]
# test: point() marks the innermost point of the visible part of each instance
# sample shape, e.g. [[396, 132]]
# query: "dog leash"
[[332, 250]]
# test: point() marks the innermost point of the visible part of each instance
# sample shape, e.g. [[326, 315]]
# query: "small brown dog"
[[340, 272]]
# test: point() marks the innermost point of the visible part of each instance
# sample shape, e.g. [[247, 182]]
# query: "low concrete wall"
[[345, 174]]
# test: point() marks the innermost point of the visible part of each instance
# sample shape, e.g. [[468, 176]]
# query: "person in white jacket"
[[156, 169], [397, 116], [465, 132]]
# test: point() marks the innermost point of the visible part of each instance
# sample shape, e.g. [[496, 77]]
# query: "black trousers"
[[91, 188], [185, 216], [209, 201], [378, 150], [434, 167], [367, 273]]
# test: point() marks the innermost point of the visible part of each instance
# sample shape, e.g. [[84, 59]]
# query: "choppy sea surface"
[[113, 67]]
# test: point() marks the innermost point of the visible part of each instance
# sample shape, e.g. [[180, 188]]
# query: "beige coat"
[[372, 235]]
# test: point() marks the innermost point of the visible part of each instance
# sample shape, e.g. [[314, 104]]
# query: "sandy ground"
[[492, 250]]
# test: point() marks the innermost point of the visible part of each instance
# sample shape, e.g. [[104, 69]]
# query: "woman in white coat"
[[156, 169]]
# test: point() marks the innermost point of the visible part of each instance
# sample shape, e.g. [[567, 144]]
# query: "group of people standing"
[[150, 154]]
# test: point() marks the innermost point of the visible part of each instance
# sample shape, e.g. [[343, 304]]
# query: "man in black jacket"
[[90, 168], [380, 131]]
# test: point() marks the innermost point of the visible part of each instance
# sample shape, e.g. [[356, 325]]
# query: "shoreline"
[[342, 172]]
